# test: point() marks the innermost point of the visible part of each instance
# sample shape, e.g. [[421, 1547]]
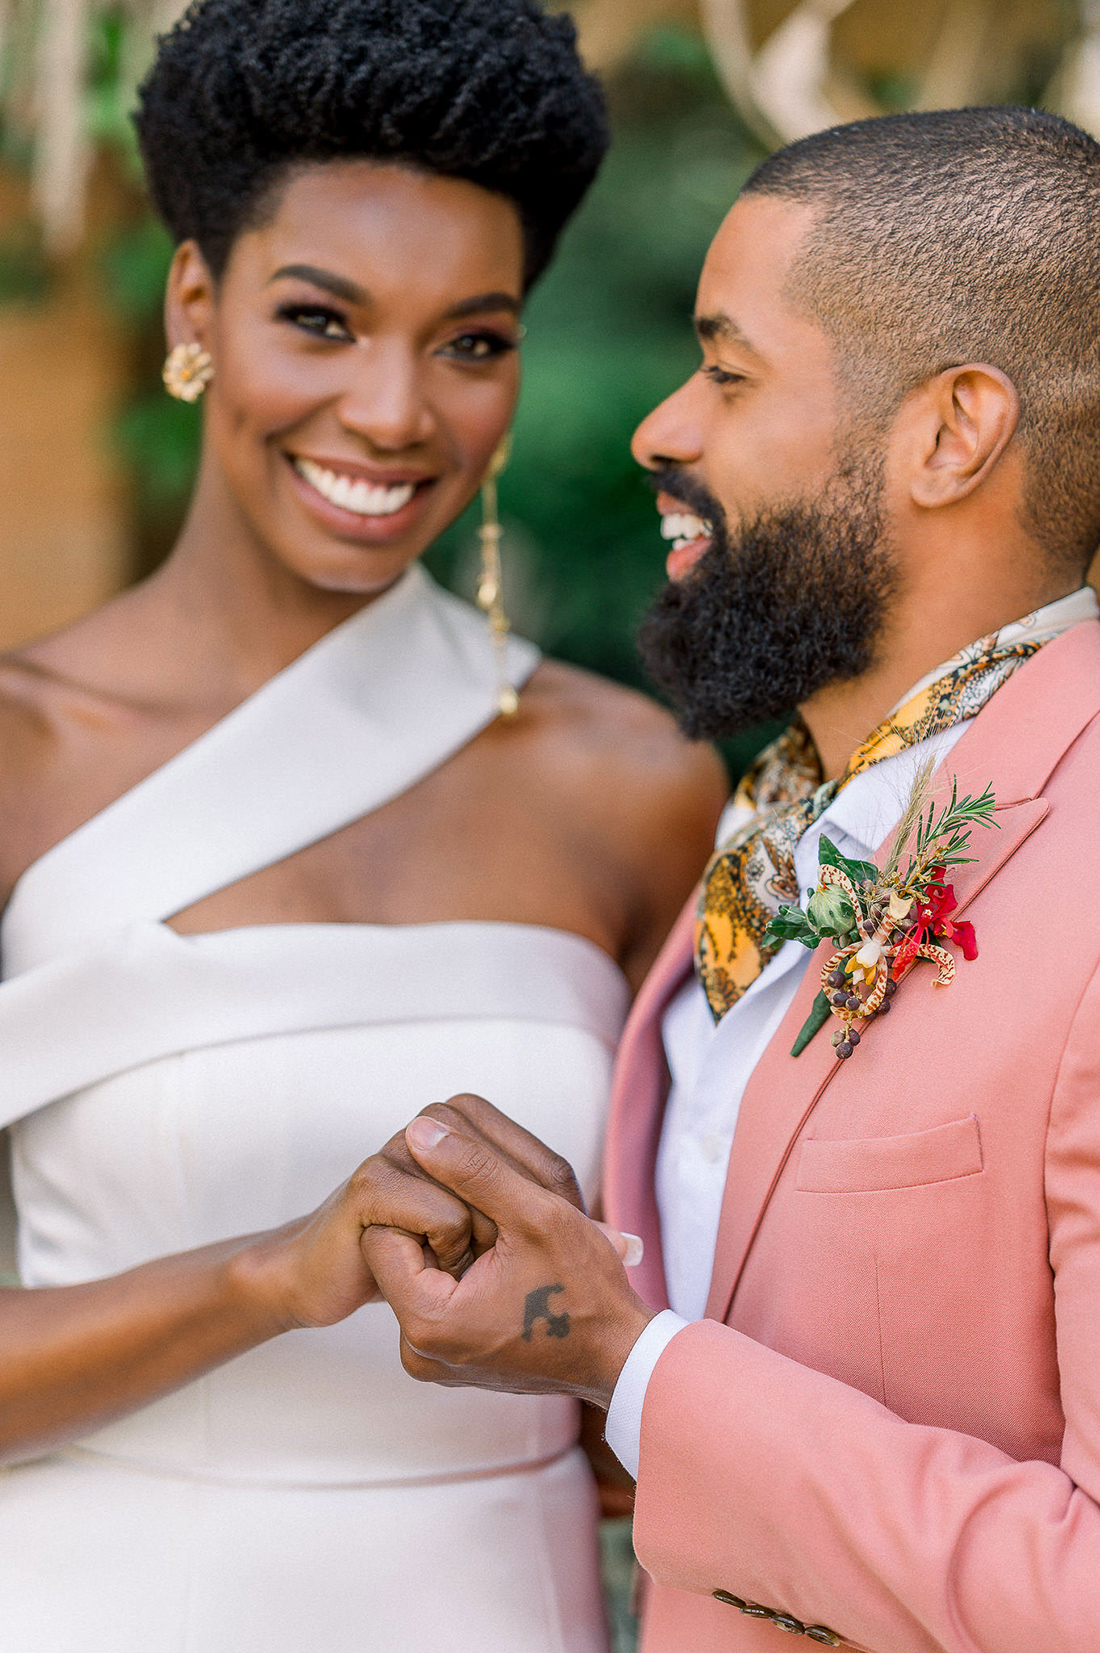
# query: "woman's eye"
[[318, 320], [478, 347]]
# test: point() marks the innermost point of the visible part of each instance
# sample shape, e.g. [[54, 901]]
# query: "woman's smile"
[[355, 502]]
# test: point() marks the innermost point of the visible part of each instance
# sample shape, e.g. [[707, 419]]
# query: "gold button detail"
[[821, 1633], [729, 1599], [786, 1621]]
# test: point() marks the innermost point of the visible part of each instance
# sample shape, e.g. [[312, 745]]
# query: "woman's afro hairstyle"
[[491, 91]]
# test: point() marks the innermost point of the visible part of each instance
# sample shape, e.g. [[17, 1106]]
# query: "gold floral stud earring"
[[187, 372], [490, 597]]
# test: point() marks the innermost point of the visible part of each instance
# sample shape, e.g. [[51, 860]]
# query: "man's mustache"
[[688, 491]]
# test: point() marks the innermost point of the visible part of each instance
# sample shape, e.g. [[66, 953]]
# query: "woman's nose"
[[384, 401]]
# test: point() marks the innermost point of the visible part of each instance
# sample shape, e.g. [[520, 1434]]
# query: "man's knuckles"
[[561, 1180]]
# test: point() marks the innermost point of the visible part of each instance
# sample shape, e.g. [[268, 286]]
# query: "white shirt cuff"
[[623, 1431]]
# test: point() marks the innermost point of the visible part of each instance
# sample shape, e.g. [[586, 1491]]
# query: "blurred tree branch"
[[791, 67]]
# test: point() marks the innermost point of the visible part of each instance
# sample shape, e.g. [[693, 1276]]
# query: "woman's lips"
[[374, 526]]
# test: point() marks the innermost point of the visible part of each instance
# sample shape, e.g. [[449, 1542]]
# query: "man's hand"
[[546, 1308]]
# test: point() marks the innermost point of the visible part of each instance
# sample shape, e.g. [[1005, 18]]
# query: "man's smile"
[[691, 536]]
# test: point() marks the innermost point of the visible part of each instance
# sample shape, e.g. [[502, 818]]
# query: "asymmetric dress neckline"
[[379, 702]]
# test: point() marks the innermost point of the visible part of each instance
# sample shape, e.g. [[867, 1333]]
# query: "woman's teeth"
[[363, 499], [684, 529]]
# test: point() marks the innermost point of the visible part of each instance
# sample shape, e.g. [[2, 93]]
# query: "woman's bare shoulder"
[[599, 730], [31, 697], [637, 799]]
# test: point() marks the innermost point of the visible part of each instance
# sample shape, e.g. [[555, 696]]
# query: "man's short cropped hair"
[[964, 235]]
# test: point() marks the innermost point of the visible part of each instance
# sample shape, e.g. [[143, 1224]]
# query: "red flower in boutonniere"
[[932, 911], [883, 919]]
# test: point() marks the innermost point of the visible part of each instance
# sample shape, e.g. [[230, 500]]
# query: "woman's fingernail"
[[425, 1133], [635, 1250]]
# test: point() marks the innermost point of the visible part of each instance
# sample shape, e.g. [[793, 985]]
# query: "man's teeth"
[[684, 529], [363, 499]]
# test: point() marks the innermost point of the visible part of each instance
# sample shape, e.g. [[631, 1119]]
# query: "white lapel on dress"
[[373, 707]]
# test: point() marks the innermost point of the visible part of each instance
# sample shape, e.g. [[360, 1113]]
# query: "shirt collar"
[[1042, 626]]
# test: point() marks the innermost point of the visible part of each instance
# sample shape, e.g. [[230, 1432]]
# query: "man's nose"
[[384, 401], [672, 433]]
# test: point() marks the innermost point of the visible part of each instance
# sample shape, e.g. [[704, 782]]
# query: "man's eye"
[[721, 376], [478, 347], [318, 320]]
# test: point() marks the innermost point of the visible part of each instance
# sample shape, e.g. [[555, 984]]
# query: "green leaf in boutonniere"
[[791, 924], [860, 872], [820, 1012]]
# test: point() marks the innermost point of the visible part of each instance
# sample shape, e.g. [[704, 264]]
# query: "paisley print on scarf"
[[753, 874]]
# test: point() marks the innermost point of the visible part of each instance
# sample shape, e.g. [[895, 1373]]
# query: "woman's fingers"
[[396, 1153], [386, 1195], [630, 1247]]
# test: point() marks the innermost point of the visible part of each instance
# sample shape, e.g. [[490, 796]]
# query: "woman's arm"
[[72, 1358]]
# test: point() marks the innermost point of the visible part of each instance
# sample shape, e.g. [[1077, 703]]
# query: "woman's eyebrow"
[[484, 301], [339, 286]]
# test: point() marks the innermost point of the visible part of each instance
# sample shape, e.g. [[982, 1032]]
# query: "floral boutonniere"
[[882, 920]]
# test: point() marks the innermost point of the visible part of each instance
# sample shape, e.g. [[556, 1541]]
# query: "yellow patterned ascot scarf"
[[753, 874]]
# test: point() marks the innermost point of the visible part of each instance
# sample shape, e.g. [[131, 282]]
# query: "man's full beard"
[[783, 606]]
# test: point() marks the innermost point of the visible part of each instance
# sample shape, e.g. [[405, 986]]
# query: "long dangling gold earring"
[[490, 597], [187, 372]]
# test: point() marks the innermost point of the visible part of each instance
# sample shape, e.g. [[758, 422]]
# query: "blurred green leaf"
[[25, 276], [159, 438], [134, 267]]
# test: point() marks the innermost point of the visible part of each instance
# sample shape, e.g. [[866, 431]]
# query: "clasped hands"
[[479, 1241]]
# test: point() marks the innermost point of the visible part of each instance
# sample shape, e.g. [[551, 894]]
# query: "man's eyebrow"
[[721, 328], [339, 286]]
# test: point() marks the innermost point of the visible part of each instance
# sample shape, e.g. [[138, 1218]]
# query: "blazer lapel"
[[1014, 745]]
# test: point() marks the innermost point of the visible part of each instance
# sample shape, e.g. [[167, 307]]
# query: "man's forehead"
[[741, 298]]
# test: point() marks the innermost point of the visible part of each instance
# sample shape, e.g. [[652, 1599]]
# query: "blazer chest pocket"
[[873, 1164]]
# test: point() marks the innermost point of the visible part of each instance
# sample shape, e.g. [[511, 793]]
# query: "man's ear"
[[961, 422], [189, 298]]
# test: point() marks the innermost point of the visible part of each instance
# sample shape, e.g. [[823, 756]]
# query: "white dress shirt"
[[711, 1064]]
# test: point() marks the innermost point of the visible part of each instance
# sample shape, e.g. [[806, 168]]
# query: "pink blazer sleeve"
[[767, 1479]]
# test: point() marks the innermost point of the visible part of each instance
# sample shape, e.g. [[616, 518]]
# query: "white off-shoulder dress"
[[168, 1091]]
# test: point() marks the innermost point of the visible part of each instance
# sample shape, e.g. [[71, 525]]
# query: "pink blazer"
[[886, 1433]]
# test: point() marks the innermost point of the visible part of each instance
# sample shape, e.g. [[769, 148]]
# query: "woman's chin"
[[363, 576]]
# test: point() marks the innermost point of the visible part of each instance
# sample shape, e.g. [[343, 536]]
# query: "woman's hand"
[[314, 1272]]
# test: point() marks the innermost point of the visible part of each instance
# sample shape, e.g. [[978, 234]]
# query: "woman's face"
[[365, 365]]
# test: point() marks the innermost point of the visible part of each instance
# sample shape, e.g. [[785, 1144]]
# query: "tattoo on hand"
[[537, 1307]]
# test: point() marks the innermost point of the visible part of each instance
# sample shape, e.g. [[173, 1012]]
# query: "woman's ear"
[[962, 422], [189, 298]]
